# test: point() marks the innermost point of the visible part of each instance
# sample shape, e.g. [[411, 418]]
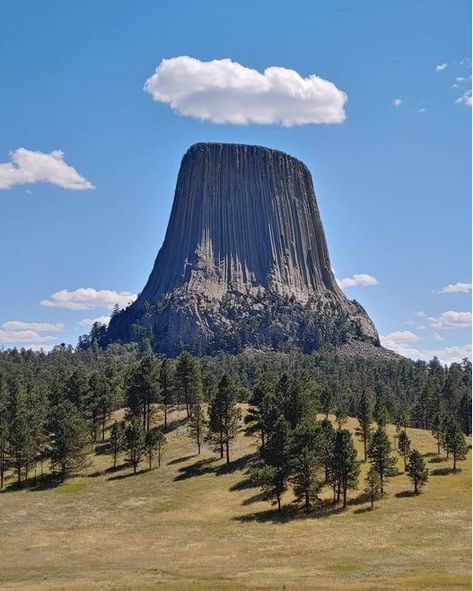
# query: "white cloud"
[[441, 67], [88, 322], [422, 110], [397, 102], [456, 288], [86, 298], [18, 325], [223, 91], [357, 279], [24, 336], [465, 99], [401, 343], [459, 79], [451, 319], [26, 167]]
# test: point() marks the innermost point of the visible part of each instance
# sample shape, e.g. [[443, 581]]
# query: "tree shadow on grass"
[[110, 470], [39, 483], [322, 510], [361, 499], [405, 494], [255, 499], [444, 471], [175, 424], [237, 464], [128, 475], [430, 454], [364, 510], [102, 448], [437, 460], [244, 484], [198, 468], [181, 459]]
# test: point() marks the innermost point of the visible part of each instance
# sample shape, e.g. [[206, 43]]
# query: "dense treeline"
[[55, 406]]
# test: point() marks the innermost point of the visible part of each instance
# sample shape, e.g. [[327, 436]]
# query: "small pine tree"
[[153, 444], [117, 440], [224, 417], [438, 428], [197, 423], [364, 413], [373, 484], [135, 436], [455, 440], [166, 391], [345, 469], [403, 446], [417, 470], [69, 439], [379, 454], [273, 478]]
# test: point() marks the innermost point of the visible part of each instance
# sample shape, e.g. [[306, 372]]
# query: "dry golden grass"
[[194, 524]]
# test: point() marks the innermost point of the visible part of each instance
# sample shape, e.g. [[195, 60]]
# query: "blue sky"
[[393, 180]]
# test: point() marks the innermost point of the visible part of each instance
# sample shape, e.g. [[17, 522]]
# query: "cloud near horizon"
[[451, 319], [28, 167], [402, 342], [456, 288], [357, 279], [224, 91], [86, 298]]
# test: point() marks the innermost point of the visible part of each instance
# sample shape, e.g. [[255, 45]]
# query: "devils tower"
[[244, 262]]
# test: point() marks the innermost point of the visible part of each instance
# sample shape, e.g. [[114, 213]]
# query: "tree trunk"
[[364, 445], [278, 497], [18, 475], [198, 446], [227, 449], [307, 502], [159, 457], [344, 497], [114, 460], [454, 461], [372, 499], [165, 417], [221, 444], [415, 487]]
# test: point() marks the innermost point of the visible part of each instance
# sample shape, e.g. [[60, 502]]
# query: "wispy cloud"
[[397, 102], [465, 99], [402, 342], [451, 319], [86, 298], [224, 91], [441, 67], [17, 325], [26, 167], [88, 322], [357, 279], [456, 288]]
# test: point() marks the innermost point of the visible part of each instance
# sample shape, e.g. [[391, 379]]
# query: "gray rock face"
[[244, 261]]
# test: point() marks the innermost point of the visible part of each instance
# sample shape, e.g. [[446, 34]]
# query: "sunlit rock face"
[[244, 262]]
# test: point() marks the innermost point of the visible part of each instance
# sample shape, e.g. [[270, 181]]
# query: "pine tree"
[[417, 470], [4, 429], [142, 390], [345, 469], [224, 416], [20, 434], [373, 484], [166, 392], [187, 380], [153, 443], [438, 428], [404, 446], [69, 439], [135, 439], [117, 440], [379, 454], [326, 440], [197, 423], [455, 440], [272, 476], [305, 464], [364, 414]]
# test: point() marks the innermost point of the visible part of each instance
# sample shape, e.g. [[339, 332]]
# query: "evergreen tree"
[[224, 416], [197, 423], [325, 443], [373, 484], [135, 439], [438, 428], [417, 470], [4, 429], [143, 390], [166, 397], [404, 446], [379, 454], [455, 440], [117, 440], [154, 444], [305, 464], [187, 379], [69, 439], [21, 441], [345, 469], [364, 414]]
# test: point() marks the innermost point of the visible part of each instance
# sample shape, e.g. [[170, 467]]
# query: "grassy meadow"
[[197, 524]]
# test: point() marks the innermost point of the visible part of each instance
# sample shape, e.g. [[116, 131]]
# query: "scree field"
[[195, 523]]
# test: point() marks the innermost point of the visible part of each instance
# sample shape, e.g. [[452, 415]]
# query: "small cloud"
[[465, 99], [441, 67], [451, 319], [422, 110], [224, 91], [27, 167], [88, 322], [86, 298], [437, 337], [397, 102], [357, 279], [459, 79], [402, 343], [37, 326], [401, 336], [456, 288]]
